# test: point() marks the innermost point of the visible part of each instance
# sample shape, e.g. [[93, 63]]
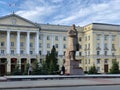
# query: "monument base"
[[72, 68]]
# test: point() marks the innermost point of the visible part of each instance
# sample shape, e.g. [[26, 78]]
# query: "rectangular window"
[[21, 44], [40, 37], [2, 51], [12, 44], [40, 45], [105, 53], [98, 61], [56, 37], [48, 52], [98, 69], [80, 54], [98, 45], [31, 52], [105, 45], [98, 52], [88, 37], [31, 36], [31, 45], [64, 38], [21, 51], [106, 37], [48, 37], [80, 39], [64, 52], [80, 61], [56, 45], [98, 37], [2, 44], [40, 52], [12, 51], [113, 37], [64, 46], [48, 45], [12, 35], [105, 61]]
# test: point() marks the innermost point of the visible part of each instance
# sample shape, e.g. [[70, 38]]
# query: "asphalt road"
[[114, 87]]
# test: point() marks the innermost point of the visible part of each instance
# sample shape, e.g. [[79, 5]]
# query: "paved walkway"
[[58, 83]]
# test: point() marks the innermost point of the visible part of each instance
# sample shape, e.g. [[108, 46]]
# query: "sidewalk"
[[58, 83]]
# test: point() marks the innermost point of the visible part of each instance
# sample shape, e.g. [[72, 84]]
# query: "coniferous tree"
[[115, 68], [92, 70]]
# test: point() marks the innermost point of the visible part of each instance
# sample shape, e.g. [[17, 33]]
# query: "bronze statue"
[[73, 44]]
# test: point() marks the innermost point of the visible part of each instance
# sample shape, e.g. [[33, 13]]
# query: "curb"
[[52, 86]]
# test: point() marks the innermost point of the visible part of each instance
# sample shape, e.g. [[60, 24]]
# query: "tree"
[[16, 71], [115, 67], [51, 62], [92, 70]]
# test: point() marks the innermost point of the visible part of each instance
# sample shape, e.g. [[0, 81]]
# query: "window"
[[80, 46], [40, 52], [105, 53], [98, 37], [56, 45], [2, 51], [31, 36], [2, 44], [98, 52], [31, 45], [113, 46], [21, 44], [80, 54], [113, 37], [40, 45], [21, 51], [88, 53], [105, 61], [31, 52], [21, 36], [56, 37], [12, 35], [64, 38], [98, 61], [48, 37], [12, 43], [80, 39], [64, 52], [80, 61], [105, 45], [12, 51], [86, 61], [89, 61], [40, 37], [98, 45], [48, 52], [64, 46], [106, 37], [48, 45], [98, 69]]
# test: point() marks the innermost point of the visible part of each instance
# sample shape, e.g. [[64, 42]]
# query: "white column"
[[44, 45], [8, 65], [37, 43], [60, 45], [8, 42], [18, 43], [119, 39], [110, 45], [28, 43], [52, 40], [102, 44]]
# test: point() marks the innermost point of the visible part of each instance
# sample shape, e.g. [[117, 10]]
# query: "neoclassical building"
[[23, 41]]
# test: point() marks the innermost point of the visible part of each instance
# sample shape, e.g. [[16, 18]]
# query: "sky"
[[64, 12]]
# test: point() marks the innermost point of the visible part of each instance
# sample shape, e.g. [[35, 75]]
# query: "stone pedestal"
[[72, 67]]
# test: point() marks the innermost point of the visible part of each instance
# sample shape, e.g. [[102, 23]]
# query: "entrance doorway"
[[106, 68], [3, 66], [13, 64]]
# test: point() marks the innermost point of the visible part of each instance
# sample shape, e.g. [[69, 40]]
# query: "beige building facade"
[[22, 42]]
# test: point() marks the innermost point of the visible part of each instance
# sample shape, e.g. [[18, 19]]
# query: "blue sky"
[[64, 12]]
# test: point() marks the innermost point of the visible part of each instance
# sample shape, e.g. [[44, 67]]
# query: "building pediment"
[[16, 20]]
